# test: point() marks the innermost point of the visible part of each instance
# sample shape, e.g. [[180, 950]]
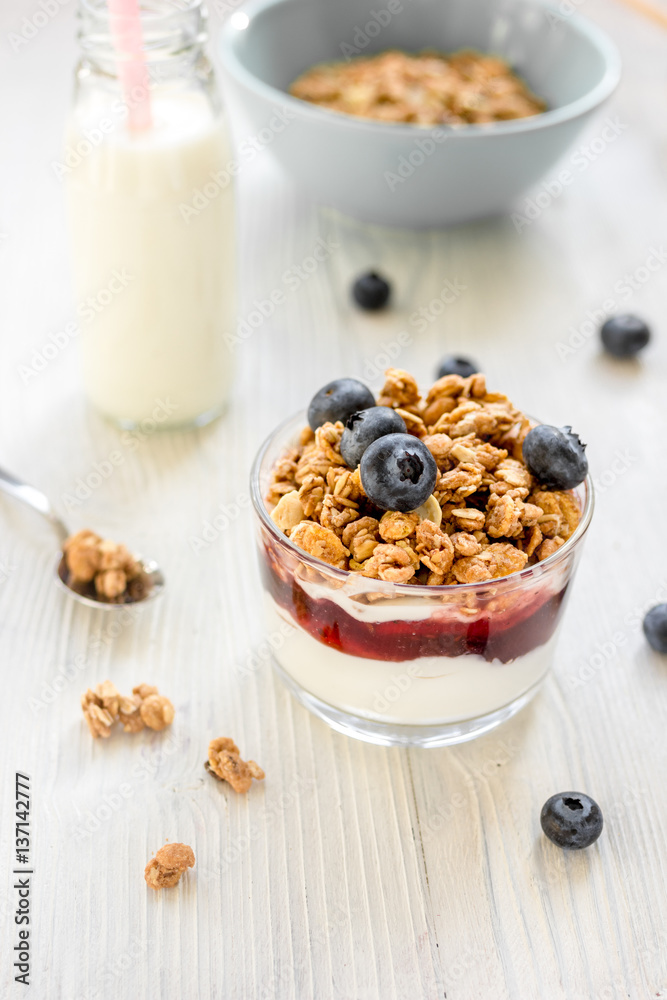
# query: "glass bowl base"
[[391, 734]]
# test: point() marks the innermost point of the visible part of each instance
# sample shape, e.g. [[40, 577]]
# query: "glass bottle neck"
[[172, 37]]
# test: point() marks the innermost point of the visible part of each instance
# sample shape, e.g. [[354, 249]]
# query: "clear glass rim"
[[407, 589], [153, 11], [167, 31]]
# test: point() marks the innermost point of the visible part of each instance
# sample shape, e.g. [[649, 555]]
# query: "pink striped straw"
[[125, 20]]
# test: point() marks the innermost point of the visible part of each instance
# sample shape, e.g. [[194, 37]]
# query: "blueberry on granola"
[[371, 291], [571, 820], [624, 335], [366, 426], [338, 400], [555, 456], [398, 472], [454, 365], [655, 628]]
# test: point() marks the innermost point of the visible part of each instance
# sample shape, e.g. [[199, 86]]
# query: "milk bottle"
[[152, 219]]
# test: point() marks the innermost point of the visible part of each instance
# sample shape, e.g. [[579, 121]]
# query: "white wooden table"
[[353, 872]]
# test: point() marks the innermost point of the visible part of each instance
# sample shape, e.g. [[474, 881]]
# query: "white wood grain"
[[354, 872]]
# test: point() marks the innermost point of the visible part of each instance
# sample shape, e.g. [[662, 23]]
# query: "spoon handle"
[[33, 498]]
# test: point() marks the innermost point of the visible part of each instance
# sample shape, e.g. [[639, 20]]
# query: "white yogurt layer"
[[427, 691]]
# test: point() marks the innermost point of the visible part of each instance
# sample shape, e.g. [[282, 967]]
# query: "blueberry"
[[398, 472], [338, 400], [366, 426], [452, 365], [555, 456], [624, 335], [572, 820], [655, 628], [371, 291]]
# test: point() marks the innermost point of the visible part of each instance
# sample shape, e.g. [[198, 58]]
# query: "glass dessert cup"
[[403, 664]]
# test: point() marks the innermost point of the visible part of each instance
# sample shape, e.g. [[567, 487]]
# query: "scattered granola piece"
[[82, 555], [104, 569], [435, 548], [129, 715], [361, 537], [144, 690], [99, 719], [548, 547], [320, 542], [465, 544], [337, 512], [395, 525], [391, 563], [400, 390], [224, 762], [288, 512], [165, 869], [103, 706], [157, 712]]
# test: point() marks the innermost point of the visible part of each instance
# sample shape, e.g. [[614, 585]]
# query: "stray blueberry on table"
[[338, 400], [655, 628], [624, 335], [571, 820], [398, 472], [453, 365], [555, 456], [371, 291], [366, 426]]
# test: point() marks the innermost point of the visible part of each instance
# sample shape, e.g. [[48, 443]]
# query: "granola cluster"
[[224, 762], [104, 569], [103, 706], [487, 517], [165, 869], [428, 88]]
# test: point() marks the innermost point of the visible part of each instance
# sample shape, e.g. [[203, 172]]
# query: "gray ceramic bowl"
[[409, 175]]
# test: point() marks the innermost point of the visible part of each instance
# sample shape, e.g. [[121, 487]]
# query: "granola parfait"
[[416, 552]]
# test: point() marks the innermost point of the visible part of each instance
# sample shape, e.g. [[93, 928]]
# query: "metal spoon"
[[35, 499]]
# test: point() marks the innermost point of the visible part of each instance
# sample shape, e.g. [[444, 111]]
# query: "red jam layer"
[[527, 623]]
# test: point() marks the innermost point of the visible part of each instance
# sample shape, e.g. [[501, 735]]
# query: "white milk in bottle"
[[153, 227]]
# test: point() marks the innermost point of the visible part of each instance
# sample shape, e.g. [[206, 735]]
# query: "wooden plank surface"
[[353, 872]]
